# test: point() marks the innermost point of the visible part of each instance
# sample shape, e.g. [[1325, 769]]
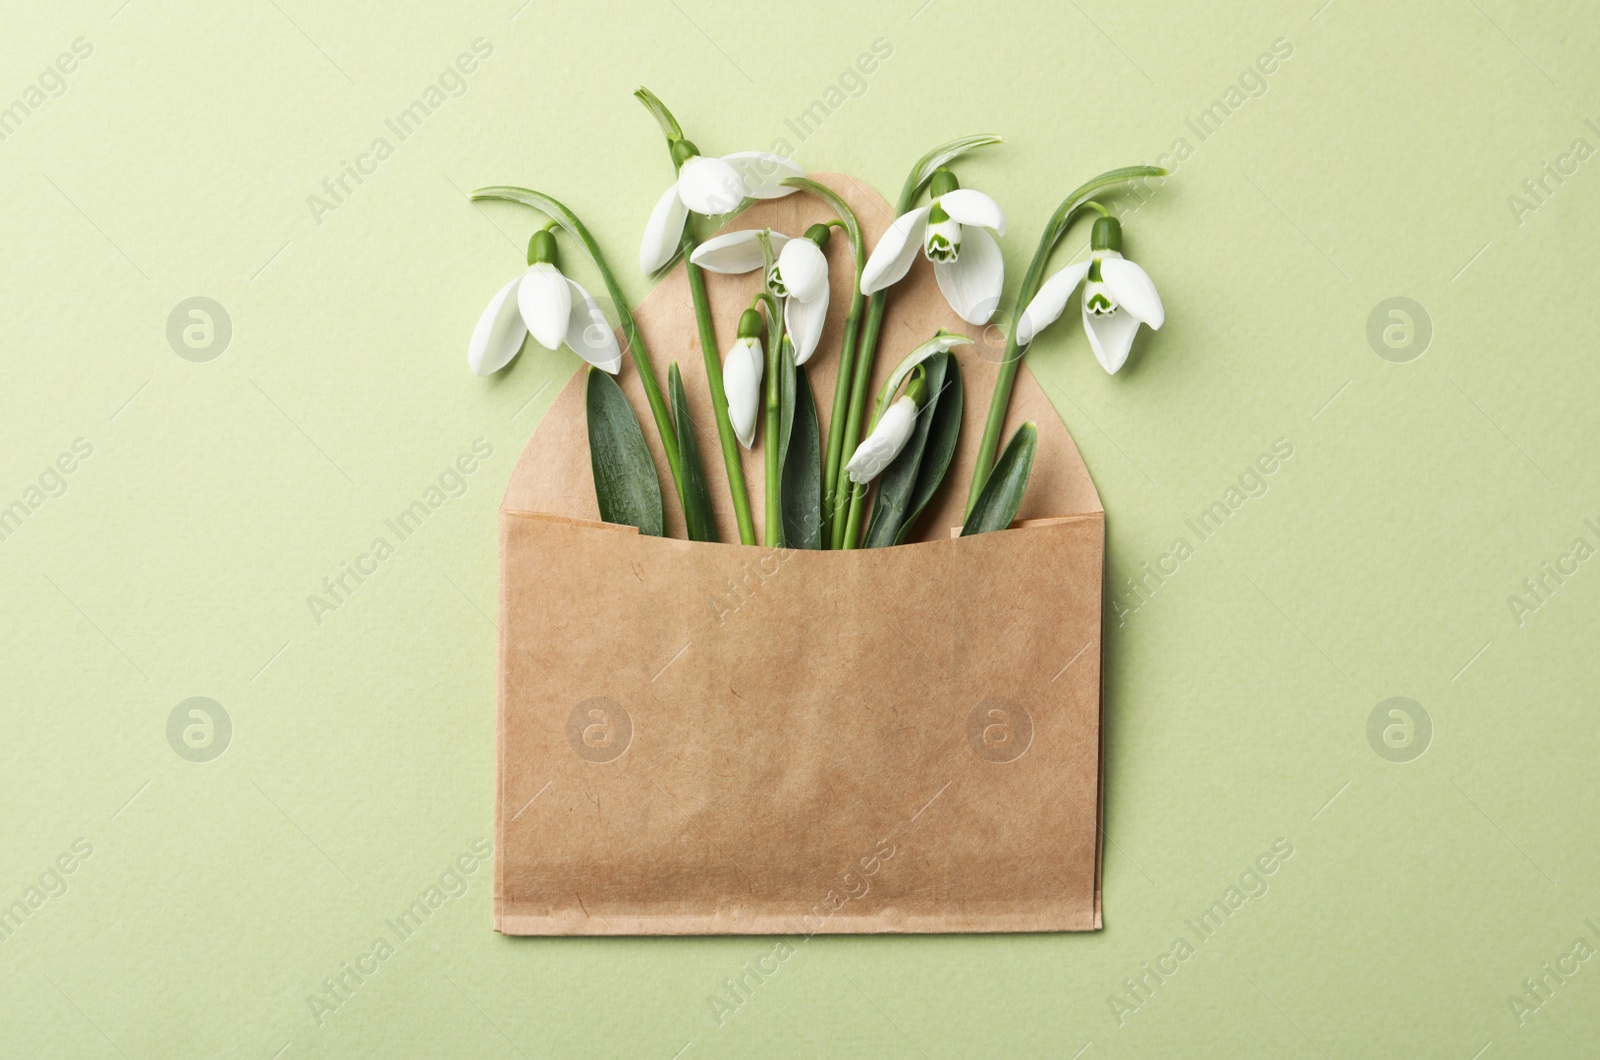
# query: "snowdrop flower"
[[890, 435], [710, 186], [741, 377], [548, 305], [799, 276], [1117, 297], [892, 429], [951, 232]]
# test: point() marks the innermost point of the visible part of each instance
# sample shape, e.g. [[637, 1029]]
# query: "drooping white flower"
[[549, 305], [879, 448], [710, 186], [741, 377], [892, 430], [951, 231], [799, 276], [1118, 296]]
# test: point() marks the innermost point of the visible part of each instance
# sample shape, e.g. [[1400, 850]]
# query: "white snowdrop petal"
[[972, 283], [734, 252], [891, 259], [1110, 337], [884, 443], [1048, 305], [1133, 290], [974, 208], [498, 335], [663, 231], [763, 173], [710, 186], [804, 268], [546, 304], [741, 381], [589, 333], [805, 321]]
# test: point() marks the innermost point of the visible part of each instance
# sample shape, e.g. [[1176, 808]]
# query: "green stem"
[[772, 457], [708, 339], [630, 329], [832, 499], [834, 457], [774, 490], [719, 397], [847, 534], [1000, 401]]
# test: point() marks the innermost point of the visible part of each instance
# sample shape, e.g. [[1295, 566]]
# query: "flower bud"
[[891, 434], [749, 324], [741, 380]]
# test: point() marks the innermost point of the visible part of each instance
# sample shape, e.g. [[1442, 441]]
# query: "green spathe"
[[625, 483]]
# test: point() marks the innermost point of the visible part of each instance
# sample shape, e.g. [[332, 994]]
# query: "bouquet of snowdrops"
[[819, 485]]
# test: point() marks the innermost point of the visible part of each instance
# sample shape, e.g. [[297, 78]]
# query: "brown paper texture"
[[718, 739]]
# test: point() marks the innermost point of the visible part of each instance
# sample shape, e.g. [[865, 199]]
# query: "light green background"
[[1377, 163]]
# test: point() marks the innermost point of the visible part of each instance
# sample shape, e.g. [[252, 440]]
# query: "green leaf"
[[899, 479], [700, 523], [802, 469], [938, 450], [625, 481], [1002, 493], [922, 172]]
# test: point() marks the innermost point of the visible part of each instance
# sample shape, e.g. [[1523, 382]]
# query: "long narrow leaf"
[[625, 482], [899, 479], [699, 522], [802, 470], [940, 448], [1002, 494]]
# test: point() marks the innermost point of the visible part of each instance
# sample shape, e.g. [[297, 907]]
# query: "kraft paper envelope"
[[703, 738]]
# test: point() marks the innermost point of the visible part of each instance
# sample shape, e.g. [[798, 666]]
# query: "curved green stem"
[[1000, 400], [708, 340], [833, 457], [630, 329]]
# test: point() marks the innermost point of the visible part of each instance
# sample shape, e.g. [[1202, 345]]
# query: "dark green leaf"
[[1002, 492], [625, 481], [899, 479], [700, 523], [938, 450], [802, 470]]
